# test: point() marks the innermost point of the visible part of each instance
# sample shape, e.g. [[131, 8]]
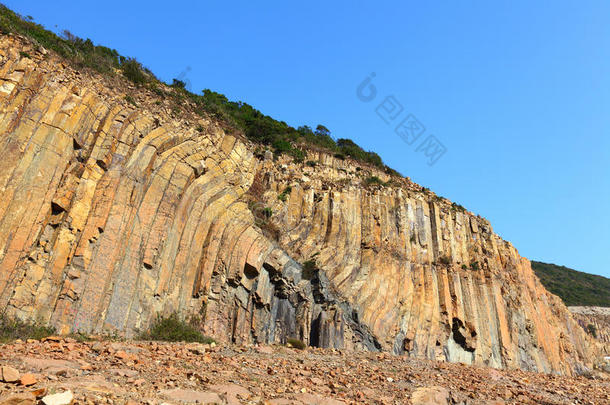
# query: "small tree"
[[321, 130], [179, 84]]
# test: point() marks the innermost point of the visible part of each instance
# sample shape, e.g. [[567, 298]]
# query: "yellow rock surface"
[[112, 214]]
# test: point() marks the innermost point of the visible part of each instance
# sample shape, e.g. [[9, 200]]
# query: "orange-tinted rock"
[[595, 320], [112, 214], [28, 379]]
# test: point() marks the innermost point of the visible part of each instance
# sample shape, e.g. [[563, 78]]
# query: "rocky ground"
[[59, 370]]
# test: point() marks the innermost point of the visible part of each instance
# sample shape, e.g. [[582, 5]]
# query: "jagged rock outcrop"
[[595, 320], [112, 213]]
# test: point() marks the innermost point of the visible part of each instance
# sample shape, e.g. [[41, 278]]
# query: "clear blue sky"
[[517, 91]]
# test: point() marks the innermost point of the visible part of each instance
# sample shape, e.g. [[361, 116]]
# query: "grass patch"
[[296, 343], [173, 329], [284, 195], [131, 100], [82, 337], [13, 329], [374, 181]]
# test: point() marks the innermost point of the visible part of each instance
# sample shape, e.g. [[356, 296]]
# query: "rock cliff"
[[595, 320], [114, 210]]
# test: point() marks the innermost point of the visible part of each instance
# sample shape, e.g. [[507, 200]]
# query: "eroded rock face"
[[111, 214], [595, 320]]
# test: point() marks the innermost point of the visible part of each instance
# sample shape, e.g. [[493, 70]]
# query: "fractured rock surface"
[[594, 319], [111, 214]]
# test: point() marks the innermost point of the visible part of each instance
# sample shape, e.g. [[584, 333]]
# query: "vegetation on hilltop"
[[82, 52], [575, 288], [256, 126]]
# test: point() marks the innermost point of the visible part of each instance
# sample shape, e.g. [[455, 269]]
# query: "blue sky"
[[517, 91]]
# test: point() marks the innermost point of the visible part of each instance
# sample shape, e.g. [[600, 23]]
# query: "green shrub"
[[311, 163], [179, 84], [392, 172], [24, 55], [298, 155], [444, 260], [457, 207], [349, 148], [173, 329], [309, 269], [281, 146], [130, 100], [155, 89], [592, 330], [12, 329], [296, 343], [464, 267], [374, 180], [284, 195], [133, 70], [474, 266]]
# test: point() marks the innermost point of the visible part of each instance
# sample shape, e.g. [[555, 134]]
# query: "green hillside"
[[574, 287]]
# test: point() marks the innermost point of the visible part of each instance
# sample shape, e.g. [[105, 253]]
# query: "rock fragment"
[[28, 379], [62, 398], [9, 374], [430, 396], [18, 399], [192, 396]]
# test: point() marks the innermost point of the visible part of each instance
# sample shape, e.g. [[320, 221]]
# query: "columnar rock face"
[[111, 214]]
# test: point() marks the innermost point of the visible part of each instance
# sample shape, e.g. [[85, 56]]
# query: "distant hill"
[[575, 288]]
